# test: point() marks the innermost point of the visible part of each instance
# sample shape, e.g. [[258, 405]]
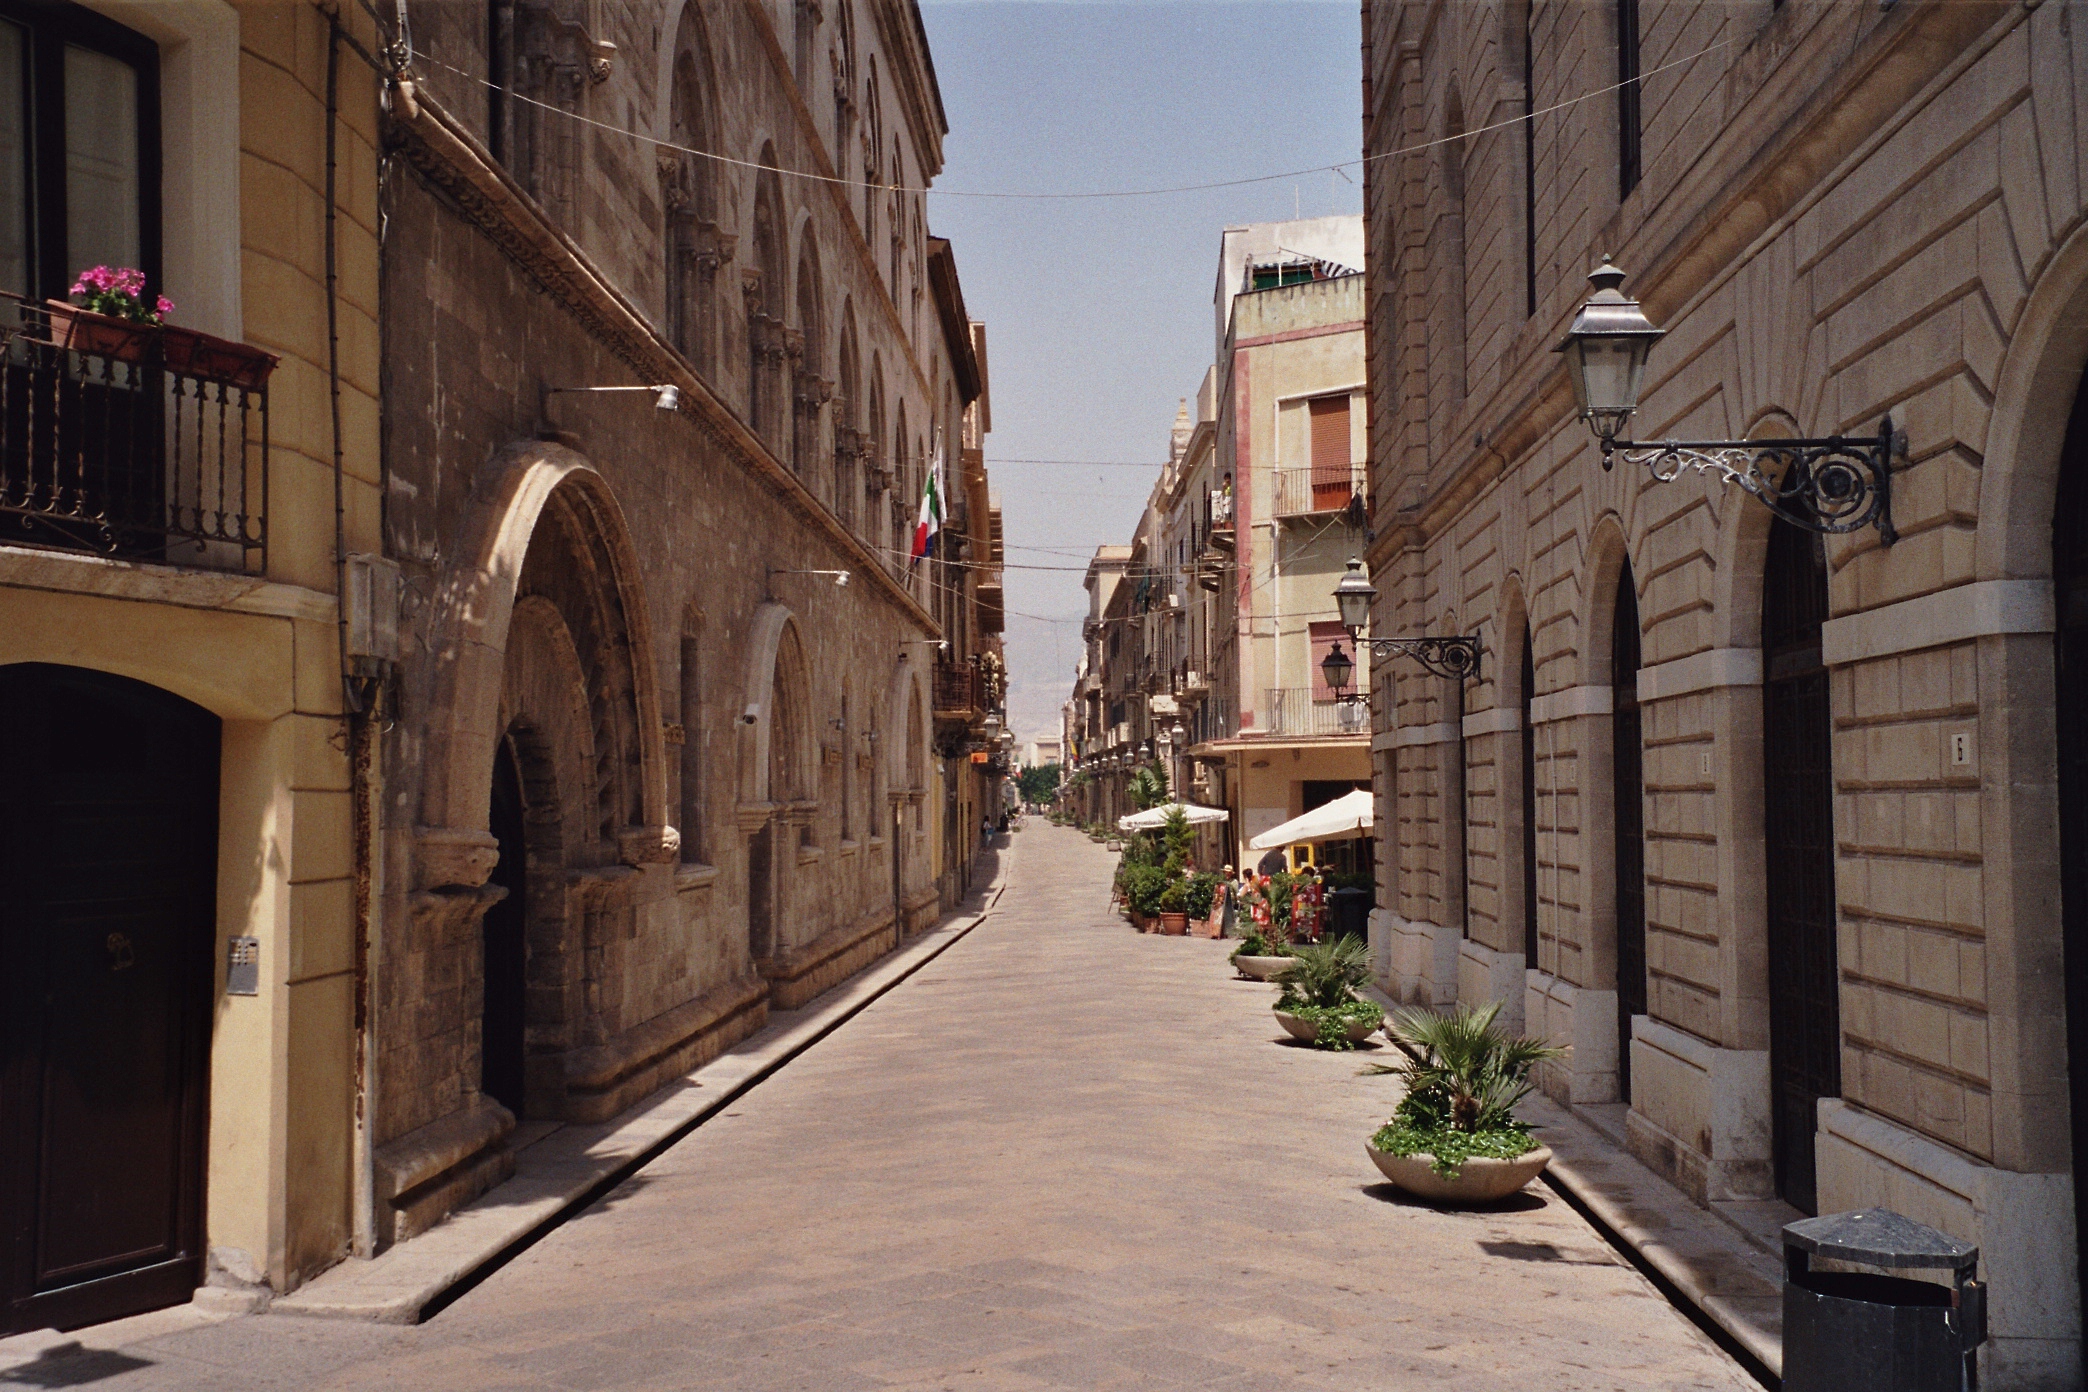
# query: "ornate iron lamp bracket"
[[1834, 485], [1456, 658]]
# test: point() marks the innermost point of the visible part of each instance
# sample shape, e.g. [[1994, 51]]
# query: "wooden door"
[[504, 932], [1628, 791], [108, 888], [1798, 797]]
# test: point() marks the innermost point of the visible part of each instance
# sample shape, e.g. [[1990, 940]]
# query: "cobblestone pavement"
[[1061, 1156]]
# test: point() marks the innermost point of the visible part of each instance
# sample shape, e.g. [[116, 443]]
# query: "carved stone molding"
[[646, 845], [753, 816], [453, 857]]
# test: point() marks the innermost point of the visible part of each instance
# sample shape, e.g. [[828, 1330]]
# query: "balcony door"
[[108, 920], [2070, 584], [79, 147]]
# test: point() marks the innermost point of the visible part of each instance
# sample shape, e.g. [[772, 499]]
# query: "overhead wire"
[[1068, 195]]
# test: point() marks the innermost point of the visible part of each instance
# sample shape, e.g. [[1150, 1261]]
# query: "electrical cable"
[[1086, 195]]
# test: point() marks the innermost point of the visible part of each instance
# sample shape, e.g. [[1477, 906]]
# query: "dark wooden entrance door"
[[2070, 585], [108, 892], [505, 933], [1798, 796], [1628, 789]]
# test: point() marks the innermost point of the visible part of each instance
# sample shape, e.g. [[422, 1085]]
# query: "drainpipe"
[[359, 702]]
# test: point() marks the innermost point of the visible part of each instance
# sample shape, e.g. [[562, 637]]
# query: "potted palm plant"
[[1454, 1137], [1319, 1004]]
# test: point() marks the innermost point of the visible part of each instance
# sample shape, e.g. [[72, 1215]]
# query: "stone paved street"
[[1060, 1156]]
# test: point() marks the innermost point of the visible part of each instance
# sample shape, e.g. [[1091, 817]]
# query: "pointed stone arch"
[[697, 245], [603, 605]]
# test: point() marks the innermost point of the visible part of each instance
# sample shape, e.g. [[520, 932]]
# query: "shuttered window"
[[1330, 453]]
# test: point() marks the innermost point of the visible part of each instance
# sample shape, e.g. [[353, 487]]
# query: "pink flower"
[[165, 307]]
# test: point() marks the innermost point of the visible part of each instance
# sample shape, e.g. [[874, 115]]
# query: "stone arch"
[[848, 416], [528, 485], [775, 756]]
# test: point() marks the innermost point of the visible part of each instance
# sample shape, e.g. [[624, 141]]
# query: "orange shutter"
[[1330, 453]]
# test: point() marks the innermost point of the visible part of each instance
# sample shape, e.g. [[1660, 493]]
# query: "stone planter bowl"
[[1308, 1030], [1479, 1180], [1260, 968]]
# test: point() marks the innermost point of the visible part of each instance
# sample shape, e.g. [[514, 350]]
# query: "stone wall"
[[1842, 213]]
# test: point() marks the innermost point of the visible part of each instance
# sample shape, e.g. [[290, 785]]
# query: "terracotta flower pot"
[[1260, 968], [83, 331], [197, 354], [1175, 925], [1308, 1030], [1479, 1180]]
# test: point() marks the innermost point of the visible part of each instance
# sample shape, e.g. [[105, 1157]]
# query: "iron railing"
[[959, 692], [1300, 710], [134, 442], [1312, 489]]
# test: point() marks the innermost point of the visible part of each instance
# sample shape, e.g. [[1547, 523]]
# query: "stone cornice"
[[451, 159]]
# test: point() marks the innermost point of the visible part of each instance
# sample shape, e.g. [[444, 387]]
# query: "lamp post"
[[1831, 484], [1455, 657]]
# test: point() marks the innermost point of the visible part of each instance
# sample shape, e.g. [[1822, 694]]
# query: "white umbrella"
[[1153, 818], [1344, 817]]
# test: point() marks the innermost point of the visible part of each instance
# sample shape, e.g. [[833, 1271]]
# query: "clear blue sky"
[[1098, 312]]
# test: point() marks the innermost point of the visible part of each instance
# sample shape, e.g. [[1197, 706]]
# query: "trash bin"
[[1860, 1331], [1348, 912]]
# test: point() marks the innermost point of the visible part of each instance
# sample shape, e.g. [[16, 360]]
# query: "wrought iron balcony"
[[131, 441], [1302, 710], [960, 695], [1308, 490]]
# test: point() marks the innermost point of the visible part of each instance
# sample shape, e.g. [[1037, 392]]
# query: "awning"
[[1153, 818], [1346, 816]]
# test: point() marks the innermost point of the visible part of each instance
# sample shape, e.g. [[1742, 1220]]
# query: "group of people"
[[1259, 896]]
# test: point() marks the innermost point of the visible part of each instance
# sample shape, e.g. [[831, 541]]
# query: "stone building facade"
[[663, 753], [1781, 837]]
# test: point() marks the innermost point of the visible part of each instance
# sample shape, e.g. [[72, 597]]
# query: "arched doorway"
[[108, 909], [1628, 793], [2070, 591], [1798, 799], [503, 1048]]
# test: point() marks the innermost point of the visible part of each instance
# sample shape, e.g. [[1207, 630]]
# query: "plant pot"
[[1479, 1180], [83, 331], [1260, 968], [1308, 1030], [1141, 922], [1175, 925], [196, 354]]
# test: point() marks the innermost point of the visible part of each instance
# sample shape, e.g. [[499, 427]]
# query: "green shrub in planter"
[[1202, 893], [1464, 1075], [1320, 985], [1175, 897]]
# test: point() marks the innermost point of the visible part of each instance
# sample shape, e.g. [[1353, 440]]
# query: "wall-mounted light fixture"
[[1454, 657], [840, 577], [1831, 484], [666, 396]]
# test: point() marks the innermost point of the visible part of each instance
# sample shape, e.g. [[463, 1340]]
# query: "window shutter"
[[1330, 453]]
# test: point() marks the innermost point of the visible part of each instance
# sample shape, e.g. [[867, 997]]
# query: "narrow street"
[[1062, 1155]]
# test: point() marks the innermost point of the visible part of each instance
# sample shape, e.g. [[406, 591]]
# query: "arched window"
[[1628, 793], [848, 762], [1455, 149], [766, 288], [1798, 801], [873, 145], [848, 421], [844, 83], [1529, 803], [696, 246], [692, 761], [1519, 46], [809, 388]]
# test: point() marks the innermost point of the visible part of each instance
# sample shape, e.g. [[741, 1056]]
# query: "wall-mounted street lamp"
[[666, 396], [839, 577], [1455, 657], [1831, 485]]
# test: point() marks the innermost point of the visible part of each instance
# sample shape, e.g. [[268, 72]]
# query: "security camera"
[[750, 715]]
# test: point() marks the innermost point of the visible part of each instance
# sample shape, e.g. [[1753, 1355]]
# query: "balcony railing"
[[1309, 490], [134, 442], [1298, 710], [959, 692]]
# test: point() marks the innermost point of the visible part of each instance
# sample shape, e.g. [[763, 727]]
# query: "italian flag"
[[931, 519]]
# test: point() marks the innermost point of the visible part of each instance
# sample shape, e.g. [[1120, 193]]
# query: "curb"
[[579, 1165]]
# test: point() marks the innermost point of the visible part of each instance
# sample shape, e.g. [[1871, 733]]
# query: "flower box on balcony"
[[194, 353], [104, 335]]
